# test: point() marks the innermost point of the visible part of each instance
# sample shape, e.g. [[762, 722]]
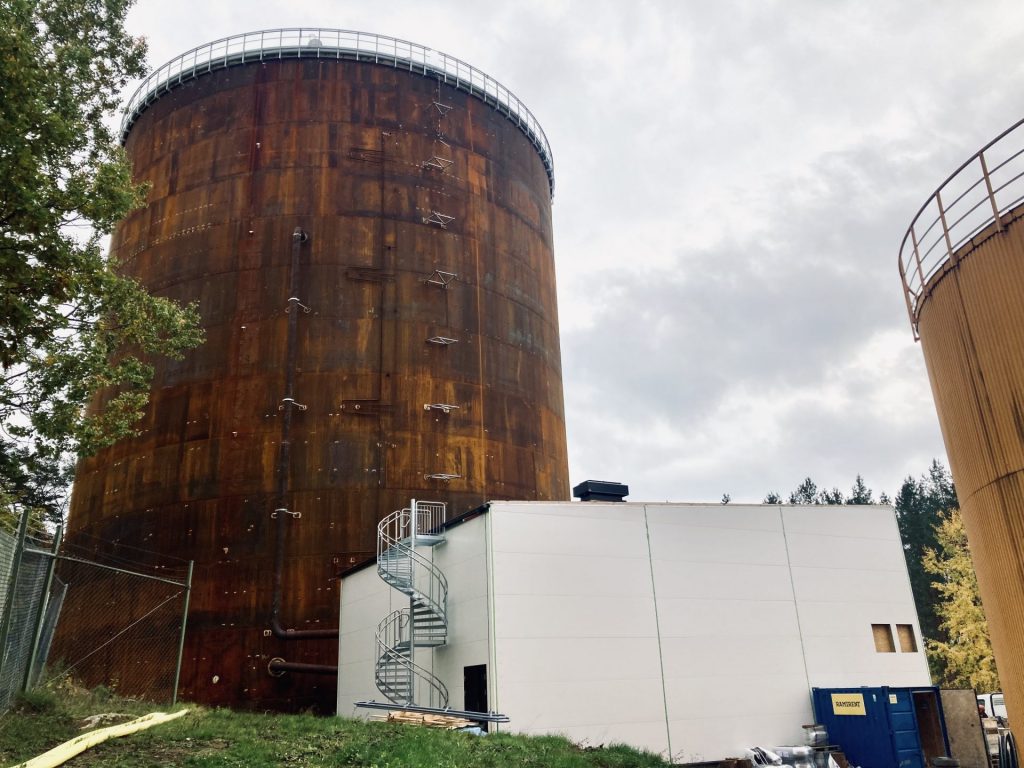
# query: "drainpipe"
[[281, 513]]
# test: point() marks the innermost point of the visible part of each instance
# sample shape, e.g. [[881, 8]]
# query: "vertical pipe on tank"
[[281, 512]]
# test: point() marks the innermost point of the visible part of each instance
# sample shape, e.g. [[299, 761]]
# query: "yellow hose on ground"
[[78, 745]]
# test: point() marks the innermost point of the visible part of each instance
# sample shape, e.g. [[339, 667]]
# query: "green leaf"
[[70, 325]]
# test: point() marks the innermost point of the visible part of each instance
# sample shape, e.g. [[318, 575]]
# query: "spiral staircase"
[[424, 624]]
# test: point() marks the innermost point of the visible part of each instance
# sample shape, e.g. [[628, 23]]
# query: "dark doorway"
[[929, 725], [475, 687]]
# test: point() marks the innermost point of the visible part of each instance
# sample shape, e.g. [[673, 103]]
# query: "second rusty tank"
[[366, 226]]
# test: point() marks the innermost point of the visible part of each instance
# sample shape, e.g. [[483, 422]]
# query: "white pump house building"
[[692, 630]]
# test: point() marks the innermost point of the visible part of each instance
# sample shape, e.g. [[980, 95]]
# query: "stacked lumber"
[[447, 722]]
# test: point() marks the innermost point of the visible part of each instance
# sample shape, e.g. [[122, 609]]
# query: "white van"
[[994, 703]]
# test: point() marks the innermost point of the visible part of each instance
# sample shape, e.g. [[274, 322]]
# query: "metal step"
[[430, 626]]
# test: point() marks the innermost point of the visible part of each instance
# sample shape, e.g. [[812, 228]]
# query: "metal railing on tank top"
[[977, 194], [321, 43]]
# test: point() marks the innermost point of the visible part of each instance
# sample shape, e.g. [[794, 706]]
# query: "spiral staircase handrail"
[[424, 622], [436, 599]]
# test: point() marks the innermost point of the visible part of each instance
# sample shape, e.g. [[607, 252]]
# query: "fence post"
[[12, 588], [44, 600], [181, 638]]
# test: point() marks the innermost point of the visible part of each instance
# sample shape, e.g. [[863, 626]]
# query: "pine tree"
[[964, 659], [920, 506], [834, 496], [805, 493], [860, 493]]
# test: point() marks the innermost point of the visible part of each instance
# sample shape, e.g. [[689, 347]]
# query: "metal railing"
[[396, 674], [430, 517], [401, 566], [320, 43], [975, 195]]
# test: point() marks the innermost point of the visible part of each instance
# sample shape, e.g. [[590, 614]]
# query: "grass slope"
[[205, 738]]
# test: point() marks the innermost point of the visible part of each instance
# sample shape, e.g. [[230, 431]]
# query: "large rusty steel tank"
[[962, 266], [365, 224]]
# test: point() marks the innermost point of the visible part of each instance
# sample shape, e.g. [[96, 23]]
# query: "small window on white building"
[[908, 642], [883, 638]]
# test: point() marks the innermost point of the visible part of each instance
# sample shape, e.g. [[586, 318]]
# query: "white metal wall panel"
[[734, 672], [463, 560], [849, 572], [365, 600], [683, 628], [575, 632]]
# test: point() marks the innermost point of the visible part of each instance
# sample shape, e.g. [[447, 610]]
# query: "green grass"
[[205, 738]]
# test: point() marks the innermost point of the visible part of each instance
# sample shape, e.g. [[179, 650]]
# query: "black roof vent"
[[600, 490]]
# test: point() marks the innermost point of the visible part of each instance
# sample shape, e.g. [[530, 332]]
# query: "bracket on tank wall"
[[291, 401], [441, 163], [442, 220], [441, 341], [444, 476], [441, 278], [295, 515], [443, 109], [443, 407], [294, 300]]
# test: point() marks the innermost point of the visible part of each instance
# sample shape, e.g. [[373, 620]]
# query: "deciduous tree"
[[964, 659], [69, 323]]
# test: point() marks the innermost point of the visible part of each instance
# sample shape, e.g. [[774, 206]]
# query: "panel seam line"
[[796, 605], [657, 627]]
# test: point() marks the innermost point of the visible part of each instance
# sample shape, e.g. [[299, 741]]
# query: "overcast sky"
[[733, 183]]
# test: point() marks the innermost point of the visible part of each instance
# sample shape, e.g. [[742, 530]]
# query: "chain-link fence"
[[87, 608], [122, 622], [54, 602], [26, 567]]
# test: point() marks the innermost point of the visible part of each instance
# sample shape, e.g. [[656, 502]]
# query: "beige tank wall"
[[972, 335]]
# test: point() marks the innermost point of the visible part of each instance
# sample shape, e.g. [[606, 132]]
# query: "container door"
[[930, 724], [857, 719], [903, 721]]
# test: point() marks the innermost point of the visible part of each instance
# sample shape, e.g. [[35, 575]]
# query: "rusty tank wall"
[[238, 159], [971, 325]]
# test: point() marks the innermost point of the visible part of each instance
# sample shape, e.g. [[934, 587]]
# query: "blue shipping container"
[[884, 727]]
